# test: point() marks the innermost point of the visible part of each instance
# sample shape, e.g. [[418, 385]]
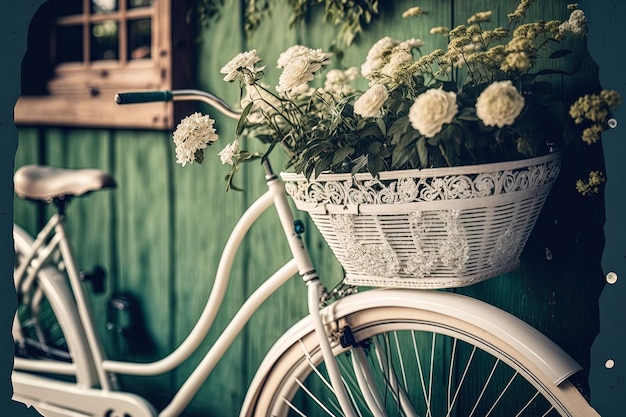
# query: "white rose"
[[296, 73], [370, 103], [500, 104], [431, 110]]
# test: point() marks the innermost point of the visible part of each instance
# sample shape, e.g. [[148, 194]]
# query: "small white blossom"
[[431, 110], [412, 43], [500, 104], [229, 152], [413, 11], [243, 66], [371, 102], [576, 25], [193, 134]]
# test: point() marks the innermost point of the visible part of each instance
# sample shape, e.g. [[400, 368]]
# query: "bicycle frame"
[[96, 375], [104, 371]]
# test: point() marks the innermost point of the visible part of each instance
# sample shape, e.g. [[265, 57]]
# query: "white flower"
[[229, 152], [413, 11], [398, 59], [192, 134], [577, 24], [376, 57], [412, 43], [299, 64], [371, 102], [292, 52], [243, 66], [431, 110], [500, 104], [296, 73], [337, 80]]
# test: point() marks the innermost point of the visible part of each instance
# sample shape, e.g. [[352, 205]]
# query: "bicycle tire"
[[293, 385]]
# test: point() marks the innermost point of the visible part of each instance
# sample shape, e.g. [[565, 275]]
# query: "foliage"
[[486, 98], [351, 16]]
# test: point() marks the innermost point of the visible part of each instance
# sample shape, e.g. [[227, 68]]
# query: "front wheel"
[[401, 361]]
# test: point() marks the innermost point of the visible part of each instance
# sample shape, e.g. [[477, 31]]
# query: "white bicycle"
[[380, 352]]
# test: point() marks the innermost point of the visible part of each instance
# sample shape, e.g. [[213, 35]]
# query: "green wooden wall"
[[160, 233]]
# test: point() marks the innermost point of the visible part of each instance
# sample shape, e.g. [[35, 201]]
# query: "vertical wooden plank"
[[204, 216], [90, 216], [143, 211]]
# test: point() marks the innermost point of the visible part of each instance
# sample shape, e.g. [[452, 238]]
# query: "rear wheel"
[[37, 333], [410, 362]]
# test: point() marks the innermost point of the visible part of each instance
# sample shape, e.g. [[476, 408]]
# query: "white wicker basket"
[[430, 228]]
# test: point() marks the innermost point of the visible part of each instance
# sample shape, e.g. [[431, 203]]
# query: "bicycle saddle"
[[36, 182]]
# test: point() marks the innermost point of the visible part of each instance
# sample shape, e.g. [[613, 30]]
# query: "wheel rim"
[[434, 370]]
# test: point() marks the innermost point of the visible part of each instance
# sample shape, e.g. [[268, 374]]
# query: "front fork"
[[316, 293]]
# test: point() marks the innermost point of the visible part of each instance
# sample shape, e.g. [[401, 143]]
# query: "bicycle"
[[376, 352]]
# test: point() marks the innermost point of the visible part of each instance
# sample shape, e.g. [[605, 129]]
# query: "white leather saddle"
[[37, 182]]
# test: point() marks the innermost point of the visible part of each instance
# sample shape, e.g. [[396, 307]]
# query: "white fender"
[[531, 343]]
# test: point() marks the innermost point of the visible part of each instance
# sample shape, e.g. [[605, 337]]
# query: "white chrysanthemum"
[[193, 134], [500, 104], [243, 66], [431, 110], [371, 102], [229, 152]]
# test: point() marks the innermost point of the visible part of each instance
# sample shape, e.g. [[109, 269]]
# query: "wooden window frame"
[[82, 94]]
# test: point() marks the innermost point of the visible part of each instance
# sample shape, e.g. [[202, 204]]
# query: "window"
[[82, 52]]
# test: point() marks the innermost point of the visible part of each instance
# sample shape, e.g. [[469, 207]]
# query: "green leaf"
[[422, 151], [560, 53], [400, 126], [342, 154], [375, 164], [404, 157], [359, 164], [242, 119]]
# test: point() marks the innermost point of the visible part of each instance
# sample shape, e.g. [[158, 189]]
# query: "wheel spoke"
[[415, 367]]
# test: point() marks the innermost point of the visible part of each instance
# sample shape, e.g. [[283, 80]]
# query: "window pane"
[[105, 40], [103, 6], [139, 38], [69, 44], [139, 3]]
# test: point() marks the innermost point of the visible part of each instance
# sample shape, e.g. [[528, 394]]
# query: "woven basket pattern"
[[430, 228]]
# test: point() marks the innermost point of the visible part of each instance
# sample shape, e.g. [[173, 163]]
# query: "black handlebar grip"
[[143, 97]]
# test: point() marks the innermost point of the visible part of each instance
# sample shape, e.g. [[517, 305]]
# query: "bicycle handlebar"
[[143, 97], [178, 95]]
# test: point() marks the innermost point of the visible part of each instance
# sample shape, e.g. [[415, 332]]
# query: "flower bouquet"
[[435, 174]]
